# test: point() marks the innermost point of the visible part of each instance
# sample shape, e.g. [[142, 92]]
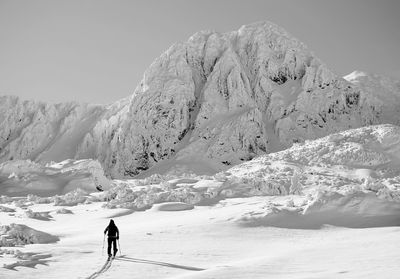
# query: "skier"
[[113, 235]]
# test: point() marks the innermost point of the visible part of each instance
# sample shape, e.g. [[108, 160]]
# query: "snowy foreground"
[[328, 208], [180, 244]]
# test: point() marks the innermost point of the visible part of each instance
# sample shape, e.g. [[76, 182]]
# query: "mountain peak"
[[204, 105], [263, 26]]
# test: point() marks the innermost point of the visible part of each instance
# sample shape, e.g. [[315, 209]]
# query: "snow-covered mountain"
[[43, 132], [204, 105], [381, 94]]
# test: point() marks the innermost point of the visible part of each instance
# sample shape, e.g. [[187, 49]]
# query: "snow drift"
[[19, 234], [23, 177], [356, 210]]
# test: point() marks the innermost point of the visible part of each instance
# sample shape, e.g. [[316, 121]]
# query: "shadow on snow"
[[133, 260]]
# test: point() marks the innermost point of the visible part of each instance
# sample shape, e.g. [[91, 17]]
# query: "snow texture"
[[19, 234], [23, 177], [354, 174], [193, 226]]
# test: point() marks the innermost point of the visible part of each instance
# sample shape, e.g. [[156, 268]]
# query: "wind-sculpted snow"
[[69, 199], [347, 179], [19, 178], [19, 234], [358, 209], [44, 216], [367, 157], [374, 149], [127, 195], [360, 160], [204, 105]]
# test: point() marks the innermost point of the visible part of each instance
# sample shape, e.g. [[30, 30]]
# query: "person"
[[113, 235]]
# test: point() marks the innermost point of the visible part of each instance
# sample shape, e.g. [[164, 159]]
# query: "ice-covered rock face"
[[43, 132], [218, 98], [229, 97], [380, 98]]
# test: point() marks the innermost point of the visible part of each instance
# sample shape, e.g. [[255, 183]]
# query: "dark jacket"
[[112, 230]]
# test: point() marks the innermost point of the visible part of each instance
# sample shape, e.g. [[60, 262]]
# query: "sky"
[[96, 51]]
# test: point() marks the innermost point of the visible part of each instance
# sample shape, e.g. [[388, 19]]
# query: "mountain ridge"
[[220, 99]]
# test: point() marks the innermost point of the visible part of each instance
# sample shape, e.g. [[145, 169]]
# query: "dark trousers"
[[112, 241]]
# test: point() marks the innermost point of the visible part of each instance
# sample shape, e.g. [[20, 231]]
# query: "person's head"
[[112, 223]]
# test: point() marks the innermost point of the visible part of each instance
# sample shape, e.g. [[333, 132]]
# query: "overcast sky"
[[96, 51]]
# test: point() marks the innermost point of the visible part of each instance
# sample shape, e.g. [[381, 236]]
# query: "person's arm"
[[105, 231], [117, 233]]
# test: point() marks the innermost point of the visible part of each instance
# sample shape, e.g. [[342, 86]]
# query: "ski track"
[[102, 270]]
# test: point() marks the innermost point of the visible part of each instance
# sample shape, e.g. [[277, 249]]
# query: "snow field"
[[177, 244], [293, 214]]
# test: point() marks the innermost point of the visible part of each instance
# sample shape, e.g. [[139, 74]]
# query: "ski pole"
[[119, 247], [102, 250]]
